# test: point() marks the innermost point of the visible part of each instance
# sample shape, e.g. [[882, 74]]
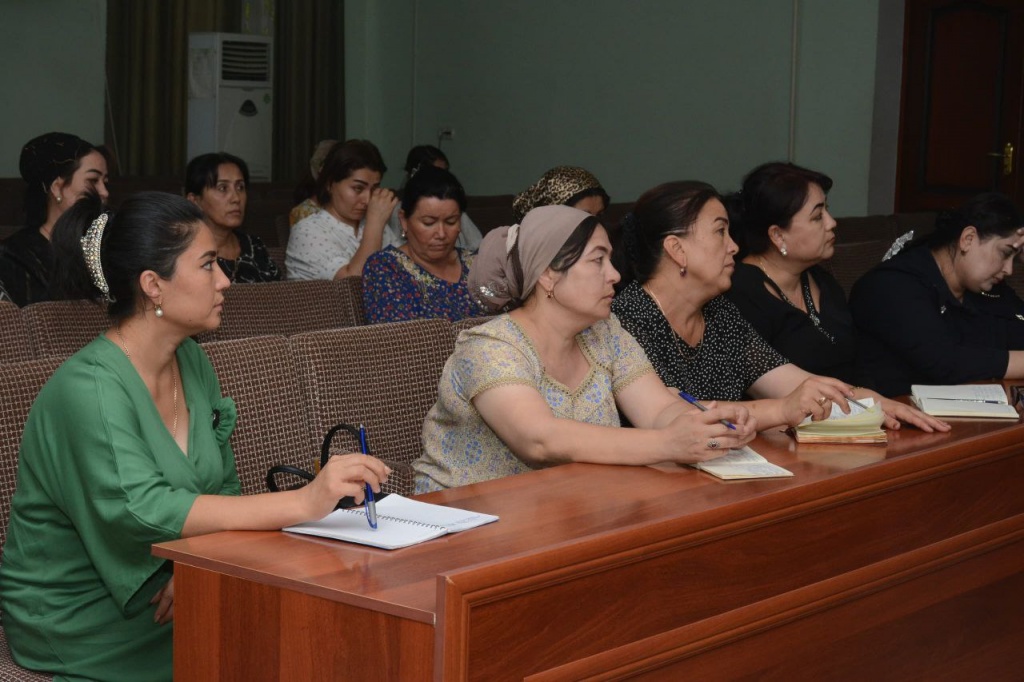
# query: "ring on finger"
[[821, 400], [713, 444]]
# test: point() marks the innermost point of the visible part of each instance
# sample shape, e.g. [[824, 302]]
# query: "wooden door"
[[963, 66]]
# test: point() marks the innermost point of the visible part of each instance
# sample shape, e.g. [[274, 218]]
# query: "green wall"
[[638, 92], [53, 53]]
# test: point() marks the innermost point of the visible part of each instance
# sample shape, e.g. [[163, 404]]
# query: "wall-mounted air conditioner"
[[231, 97]]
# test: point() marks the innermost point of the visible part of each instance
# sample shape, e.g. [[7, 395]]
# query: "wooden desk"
[[908, 566]]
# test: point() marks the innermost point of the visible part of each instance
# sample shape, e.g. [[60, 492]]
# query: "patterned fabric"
[[302, 211], [320, 245], [254, 263], [395, 288], [61, 328], [557, 186], [460, 448], [729, 358], [15, 343]]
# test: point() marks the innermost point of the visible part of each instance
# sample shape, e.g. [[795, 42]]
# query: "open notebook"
[[741, 463], [859, 426], [400, 522], [978, 401]]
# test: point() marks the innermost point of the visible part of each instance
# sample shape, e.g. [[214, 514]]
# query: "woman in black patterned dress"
[[217, 184]]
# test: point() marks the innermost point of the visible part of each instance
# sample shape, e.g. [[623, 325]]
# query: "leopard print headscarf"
[[556, 187]]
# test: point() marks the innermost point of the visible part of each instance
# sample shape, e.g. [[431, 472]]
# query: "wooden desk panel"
[[590, 565]]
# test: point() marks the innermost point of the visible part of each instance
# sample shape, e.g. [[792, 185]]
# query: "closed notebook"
[[977, 401], [741, 463], [858, 426], [400, 522]]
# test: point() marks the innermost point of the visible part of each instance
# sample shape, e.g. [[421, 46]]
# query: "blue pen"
[[693, 401], [369, 502]]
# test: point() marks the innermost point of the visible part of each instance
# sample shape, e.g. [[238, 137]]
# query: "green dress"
[[100, 479]]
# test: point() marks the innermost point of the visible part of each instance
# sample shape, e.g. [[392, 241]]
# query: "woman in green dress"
[[127, 445]]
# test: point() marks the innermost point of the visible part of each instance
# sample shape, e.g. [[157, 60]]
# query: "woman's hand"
[[164, 600], [896, 412], [813, 398], [695, 436], [343, 476], [378, 211]]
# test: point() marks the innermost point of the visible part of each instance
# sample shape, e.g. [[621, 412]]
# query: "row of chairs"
[[289, 392], [59, 328]]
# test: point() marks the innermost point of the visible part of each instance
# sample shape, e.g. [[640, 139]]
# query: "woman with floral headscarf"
[[58, 168], [543, 385]]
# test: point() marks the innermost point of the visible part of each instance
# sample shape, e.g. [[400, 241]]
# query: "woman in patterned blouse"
[[543, 384], [678, 253], [217, 184], [426, 276]]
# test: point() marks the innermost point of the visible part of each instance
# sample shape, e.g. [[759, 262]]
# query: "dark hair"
[[343, 160], [589, 192], [432, 182], [421, 156], [148, 232], [671, 208], [201, 172], [567, 256], [44, 163], [992, 214], [772, 194]]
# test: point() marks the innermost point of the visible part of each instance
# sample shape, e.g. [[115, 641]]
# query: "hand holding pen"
[[370, 503]]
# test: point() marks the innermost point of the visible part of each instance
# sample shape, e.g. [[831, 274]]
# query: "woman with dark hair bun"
[[544, 384], [428, 156], [58, 169], [425, 277], [780, 220], [680, 258], [940, 312], [128, 445], [218, 184]]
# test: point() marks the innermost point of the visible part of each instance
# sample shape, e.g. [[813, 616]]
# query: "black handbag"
[[300, 477]]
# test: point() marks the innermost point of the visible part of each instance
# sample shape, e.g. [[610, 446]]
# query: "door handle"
[[1007, 156]]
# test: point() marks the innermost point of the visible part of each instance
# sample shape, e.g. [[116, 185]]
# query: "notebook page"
[[970, 392], [351, 525], [449, 518]]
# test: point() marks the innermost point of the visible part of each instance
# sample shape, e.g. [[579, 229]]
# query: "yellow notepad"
[[859, 426]]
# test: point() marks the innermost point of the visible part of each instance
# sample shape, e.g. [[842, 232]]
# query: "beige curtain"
[[309, 56], [147, 101]]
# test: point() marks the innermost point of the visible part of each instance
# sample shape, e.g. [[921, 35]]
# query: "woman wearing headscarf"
[[566, 186], [543, 385], [58, 169]]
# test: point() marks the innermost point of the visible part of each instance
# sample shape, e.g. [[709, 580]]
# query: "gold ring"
[[821, 400]]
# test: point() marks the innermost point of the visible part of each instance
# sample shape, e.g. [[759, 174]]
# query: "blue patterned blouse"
[[395, 288]]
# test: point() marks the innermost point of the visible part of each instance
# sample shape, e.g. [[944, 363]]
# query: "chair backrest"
[[850, 261], [281, 308], [20, 383], [384, 376], [272, 425], [62, 328], [15, 343], [277, 254], [352, 287], [469, 323]]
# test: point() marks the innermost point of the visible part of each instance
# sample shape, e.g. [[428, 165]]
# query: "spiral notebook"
[[400, 522]]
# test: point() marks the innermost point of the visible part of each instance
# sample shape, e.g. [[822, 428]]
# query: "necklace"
[[688, 352], [811, 312], [174, 382]]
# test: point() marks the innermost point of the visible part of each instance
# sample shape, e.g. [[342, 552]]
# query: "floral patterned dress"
[[395, 288], [459, 448]]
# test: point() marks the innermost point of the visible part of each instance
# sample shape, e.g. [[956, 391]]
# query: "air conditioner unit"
[[231, 97]]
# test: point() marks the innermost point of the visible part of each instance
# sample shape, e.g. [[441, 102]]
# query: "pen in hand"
[[369, 503], [693, 401]]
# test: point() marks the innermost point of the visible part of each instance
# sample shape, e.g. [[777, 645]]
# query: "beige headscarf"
[[557, 186], [316, 162], [539, 238]]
